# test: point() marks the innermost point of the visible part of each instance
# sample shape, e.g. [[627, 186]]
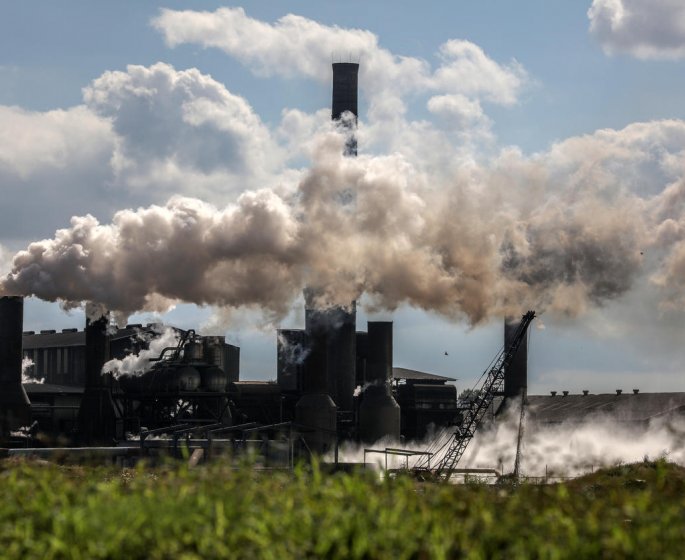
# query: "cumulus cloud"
[[178, 131], [169, 120], [646, 29], [562, 231]]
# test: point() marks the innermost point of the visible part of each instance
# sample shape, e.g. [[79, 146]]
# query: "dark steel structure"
[[15, 408], [516, 372], [473, 415], [316, 411], [97, 417], [379, 413]]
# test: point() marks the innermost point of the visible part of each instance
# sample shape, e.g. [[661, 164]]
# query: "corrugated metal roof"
[[622, 408], [414, 375]]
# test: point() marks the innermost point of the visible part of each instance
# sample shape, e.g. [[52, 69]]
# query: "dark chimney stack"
[[379, 413], [97, 416], [516, 374], [345, 99], [15, 409]]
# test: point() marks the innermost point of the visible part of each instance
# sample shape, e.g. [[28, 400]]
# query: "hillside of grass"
[[48, 511]]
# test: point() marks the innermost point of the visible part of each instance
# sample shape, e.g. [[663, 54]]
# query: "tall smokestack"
[[15, 409], [97, 417], [516, 375], [379, 413], [345, 99]]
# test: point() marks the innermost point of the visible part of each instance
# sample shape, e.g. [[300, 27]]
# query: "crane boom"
[[492, 384]]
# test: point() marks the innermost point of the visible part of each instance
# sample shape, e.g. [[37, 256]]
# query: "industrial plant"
[[334, 384]]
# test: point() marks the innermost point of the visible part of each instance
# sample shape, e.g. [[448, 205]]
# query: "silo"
[[516, 375], [15, 409], [97, 416], [379, 413]]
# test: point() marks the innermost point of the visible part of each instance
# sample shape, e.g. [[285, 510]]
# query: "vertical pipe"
[[379, 413], [345, 76], [97, 416], [15, 409], [516, 375]]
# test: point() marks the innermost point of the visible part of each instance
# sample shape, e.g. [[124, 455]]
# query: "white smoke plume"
[[137, 364], [28, 372], [562, 231], [571, 449], [291, 352]]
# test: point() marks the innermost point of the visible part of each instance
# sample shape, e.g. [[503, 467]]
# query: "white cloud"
[[646, 29], [172, 123], [468, 70], [295, 45]]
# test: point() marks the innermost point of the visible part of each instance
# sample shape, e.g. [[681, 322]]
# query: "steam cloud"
[[137, 364], [28, 372], [552, 233]]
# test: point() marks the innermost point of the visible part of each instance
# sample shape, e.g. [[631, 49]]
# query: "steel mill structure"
[[334, 383]]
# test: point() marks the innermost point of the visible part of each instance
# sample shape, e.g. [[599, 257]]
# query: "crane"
[[493, 382]]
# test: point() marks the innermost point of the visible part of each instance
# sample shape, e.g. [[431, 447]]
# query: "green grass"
[[48, 511]]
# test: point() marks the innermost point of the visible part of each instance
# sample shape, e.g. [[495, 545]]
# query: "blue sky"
[[542, 79]]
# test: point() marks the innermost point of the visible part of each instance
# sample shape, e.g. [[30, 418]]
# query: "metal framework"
[[473, 415]]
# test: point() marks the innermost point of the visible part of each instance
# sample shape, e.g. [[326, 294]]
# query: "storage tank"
[[15, 409], [379, 413]]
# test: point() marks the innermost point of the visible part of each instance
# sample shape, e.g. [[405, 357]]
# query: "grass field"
[[48, 511]]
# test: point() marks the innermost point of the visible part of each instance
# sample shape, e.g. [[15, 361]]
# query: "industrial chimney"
[[516, 374], [345, 100], [315, 411], [379, 413], [97, 417], [15, 409]]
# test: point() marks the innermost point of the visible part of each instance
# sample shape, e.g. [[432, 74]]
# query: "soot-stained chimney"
[[345, 99], [15, 409]]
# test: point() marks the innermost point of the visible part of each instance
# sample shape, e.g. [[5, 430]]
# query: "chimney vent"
[[48, 331], [585, 392], [619, 391], [636, 391], [565, 393], [554, 393]]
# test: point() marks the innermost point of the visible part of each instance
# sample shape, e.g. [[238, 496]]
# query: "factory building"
[[333, 383], [59, 358]]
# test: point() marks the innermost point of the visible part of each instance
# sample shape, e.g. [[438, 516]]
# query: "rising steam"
[[137, 364], [488, 242]]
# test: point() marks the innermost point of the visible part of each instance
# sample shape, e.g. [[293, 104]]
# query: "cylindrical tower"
[[97, 416], [15, 409], [315, 411], [516, 375], [379, 413], [345, 99]]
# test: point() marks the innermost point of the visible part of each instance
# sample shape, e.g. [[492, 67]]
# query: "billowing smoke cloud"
[[137, 364], [560, 232]]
